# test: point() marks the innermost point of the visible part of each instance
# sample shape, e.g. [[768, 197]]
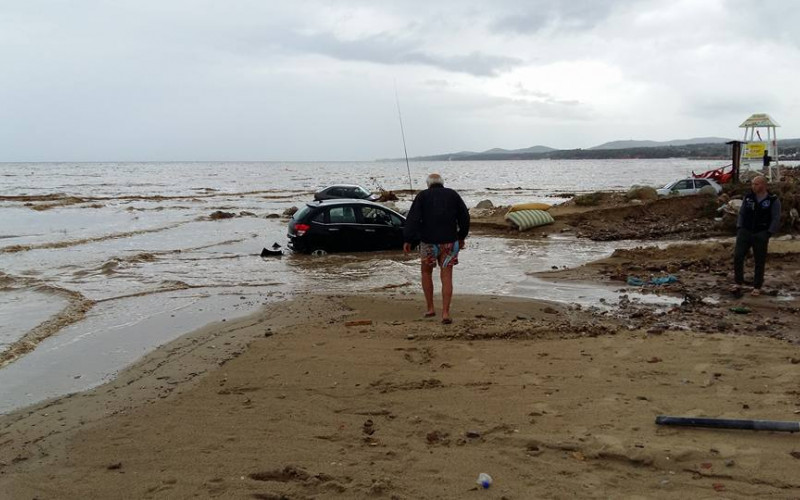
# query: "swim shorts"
[[443, 254]]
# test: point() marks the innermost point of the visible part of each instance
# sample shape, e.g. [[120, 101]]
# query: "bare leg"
[[427, 287], [447, 290]]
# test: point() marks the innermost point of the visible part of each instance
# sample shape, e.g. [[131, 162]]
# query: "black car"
[[348, 191], [345, 226]]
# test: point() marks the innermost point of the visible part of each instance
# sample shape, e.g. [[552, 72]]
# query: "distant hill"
[[490, 154], [700, 148], [655, 144]]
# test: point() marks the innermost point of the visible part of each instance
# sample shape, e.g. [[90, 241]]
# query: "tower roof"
[[759, 120]]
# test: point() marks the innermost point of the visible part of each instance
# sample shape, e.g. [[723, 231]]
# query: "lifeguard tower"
[[759, 152]]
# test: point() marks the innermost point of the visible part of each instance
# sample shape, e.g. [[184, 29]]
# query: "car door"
[[684, 187], [342, 228], [700, 184], [377, 228]]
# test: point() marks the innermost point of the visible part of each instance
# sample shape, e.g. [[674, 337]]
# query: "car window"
[[319, 217], [698, 183], [684, 184], [338, 215], [375, 215], [301, 213], [396, 221], [334, 192], [361, 192]]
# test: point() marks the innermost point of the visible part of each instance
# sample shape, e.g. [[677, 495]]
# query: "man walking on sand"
[[759, 218], [439, 222]]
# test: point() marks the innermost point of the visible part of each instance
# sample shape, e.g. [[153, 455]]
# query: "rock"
[[641, 193], [290, 211], [485, 204], [219, 214], [708, 190], [436, 437], [368, 427], [387, 196], [358, 322], [272, 216], [473, 434], [246, 214]]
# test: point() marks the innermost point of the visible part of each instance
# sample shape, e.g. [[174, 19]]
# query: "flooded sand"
[[172, 293], [133, 249]]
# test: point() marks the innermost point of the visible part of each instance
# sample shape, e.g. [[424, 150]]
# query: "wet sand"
[[552, 402], [353, 396]]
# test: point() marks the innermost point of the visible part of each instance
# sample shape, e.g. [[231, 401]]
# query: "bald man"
[[759, 219]]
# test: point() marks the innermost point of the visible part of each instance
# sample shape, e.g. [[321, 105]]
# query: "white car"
[[690, 185]]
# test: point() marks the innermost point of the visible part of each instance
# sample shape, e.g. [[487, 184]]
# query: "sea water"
[[135, 240]]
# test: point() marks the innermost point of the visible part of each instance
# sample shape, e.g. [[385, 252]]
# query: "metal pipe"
[[725, 423]]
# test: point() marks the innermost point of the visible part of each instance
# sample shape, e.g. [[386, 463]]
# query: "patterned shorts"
[[443, 254]]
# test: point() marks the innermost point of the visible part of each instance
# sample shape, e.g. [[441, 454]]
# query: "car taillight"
[[301, 229]]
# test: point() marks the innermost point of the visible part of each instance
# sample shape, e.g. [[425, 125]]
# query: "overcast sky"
[[96, 80]]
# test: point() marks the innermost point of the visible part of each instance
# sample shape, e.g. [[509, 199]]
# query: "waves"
[[84, 241], [77, 308]]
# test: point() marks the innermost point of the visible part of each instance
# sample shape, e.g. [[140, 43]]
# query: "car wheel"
[[319, 252]]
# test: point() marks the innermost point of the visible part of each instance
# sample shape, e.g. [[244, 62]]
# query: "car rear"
[[299, 227]]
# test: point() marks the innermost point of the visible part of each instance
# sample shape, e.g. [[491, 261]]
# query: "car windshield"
[[362, 191], [670, 184]]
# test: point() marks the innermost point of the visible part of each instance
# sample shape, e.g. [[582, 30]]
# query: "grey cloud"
[[437, 83], [521, 90], [388, 49], [735, 107], [533, 17]]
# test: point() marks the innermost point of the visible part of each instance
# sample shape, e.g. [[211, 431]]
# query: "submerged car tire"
[[319, 252]]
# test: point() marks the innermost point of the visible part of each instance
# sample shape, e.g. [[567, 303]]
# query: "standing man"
[[759, 218], [439, 222]]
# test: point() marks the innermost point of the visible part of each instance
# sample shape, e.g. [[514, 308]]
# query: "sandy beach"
[[340, 394], [354, 396], [216, 219]]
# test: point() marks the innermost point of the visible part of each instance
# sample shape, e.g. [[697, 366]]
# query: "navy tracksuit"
[[758, 220]]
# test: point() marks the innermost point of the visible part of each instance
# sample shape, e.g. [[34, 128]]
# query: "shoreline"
[[355, 394], [550, 400]]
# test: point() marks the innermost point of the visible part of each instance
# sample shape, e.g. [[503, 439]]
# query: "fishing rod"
[[403, 134]]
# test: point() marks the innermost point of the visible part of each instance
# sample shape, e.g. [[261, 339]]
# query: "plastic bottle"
[[485, 480]]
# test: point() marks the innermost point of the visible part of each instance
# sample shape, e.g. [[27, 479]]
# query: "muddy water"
[[143, 303], [108, 261]]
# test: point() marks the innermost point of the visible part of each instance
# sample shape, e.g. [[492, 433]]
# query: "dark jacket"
[[438, 215], [756, 216]]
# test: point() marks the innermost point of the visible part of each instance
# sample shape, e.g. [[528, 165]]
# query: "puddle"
[[141, 284], [114, 335], [587, 294], [22, 310]]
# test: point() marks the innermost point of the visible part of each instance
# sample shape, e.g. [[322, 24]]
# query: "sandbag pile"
[[529, 215]]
